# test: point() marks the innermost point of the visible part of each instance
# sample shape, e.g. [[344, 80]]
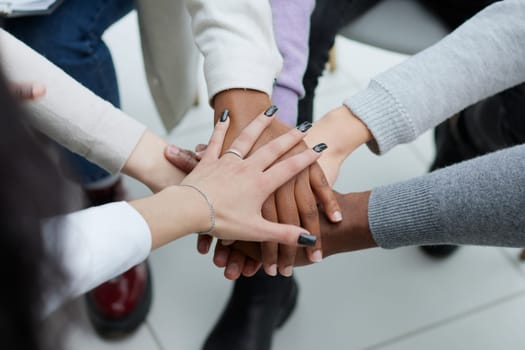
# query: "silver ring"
[[234, 151]]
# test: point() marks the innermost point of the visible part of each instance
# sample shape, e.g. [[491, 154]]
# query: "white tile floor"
[[373, 299]]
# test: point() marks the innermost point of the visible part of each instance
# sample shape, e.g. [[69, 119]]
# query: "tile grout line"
[[516, 264], [154, 335], [446, 321]]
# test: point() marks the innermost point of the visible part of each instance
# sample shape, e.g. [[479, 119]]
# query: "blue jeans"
[[71, 38]]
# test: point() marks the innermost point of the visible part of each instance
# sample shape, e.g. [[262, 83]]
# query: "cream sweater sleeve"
[[237, 40], [69, 113]]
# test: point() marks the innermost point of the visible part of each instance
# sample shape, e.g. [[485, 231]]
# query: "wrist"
[[148, 164], [350, 130], [173, 213], [353, 233], [243, 105]]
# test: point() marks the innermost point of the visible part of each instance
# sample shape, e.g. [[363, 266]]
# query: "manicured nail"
[[272, 270], [307, 240], [225, 114], [338, 217], [173, 150], [304, 127], [271, 111], [232, 269], [320, 147], [317, 256], [287, 271]]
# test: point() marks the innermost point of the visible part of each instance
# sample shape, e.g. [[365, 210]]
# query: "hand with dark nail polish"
[[320, 147], [304, 127], [271, 111]]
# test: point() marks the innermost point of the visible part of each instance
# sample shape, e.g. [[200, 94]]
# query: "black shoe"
[[257, 307]]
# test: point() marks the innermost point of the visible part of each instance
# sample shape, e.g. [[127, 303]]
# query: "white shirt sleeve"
[[95, 245], [237, 40]]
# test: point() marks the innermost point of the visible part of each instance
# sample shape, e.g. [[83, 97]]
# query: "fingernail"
[[225, 114], [287, 271], [232, 269], [272, 270], [317, 256], [307, 240], [320, 147], [271, 111], [173, 150], [338, 216], [203, 246], [304, 127]]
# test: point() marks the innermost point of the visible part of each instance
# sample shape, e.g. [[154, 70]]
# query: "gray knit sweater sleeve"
[[484, 56], [478, 202]]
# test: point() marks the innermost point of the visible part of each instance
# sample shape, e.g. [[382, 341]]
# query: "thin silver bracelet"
[[212, 210]]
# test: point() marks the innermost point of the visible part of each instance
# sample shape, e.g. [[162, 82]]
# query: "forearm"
[[482, 57], [344, 132], [353, 233], [243, 106], [69, 113], [477, 202], [173, 213], [85, 124], [148, 164]]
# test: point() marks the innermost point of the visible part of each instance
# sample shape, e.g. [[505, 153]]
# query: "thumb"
[[182, 159]]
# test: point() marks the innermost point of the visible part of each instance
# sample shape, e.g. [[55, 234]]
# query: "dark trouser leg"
[[328, 18]]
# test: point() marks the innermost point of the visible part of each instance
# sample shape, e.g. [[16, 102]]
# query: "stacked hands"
[[260, 190], [273, 187], [306, 200]]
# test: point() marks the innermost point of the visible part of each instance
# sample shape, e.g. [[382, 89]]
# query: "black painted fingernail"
[[304, 126], [320, 147], [225, 114], [271, 111], [307, 240]]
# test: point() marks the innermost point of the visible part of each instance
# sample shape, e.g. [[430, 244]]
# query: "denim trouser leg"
[[71, 38]]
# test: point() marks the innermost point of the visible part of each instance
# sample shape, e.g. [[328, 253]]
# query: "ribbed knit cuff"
[[384, 117], [404, 214]]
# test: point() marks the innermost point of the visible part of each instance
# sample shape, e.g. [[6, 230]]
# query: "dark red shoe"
[[119, 306]]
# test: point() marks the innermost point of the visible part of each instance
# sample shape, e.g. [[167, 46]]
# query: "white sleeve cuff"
[[95, 245]]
